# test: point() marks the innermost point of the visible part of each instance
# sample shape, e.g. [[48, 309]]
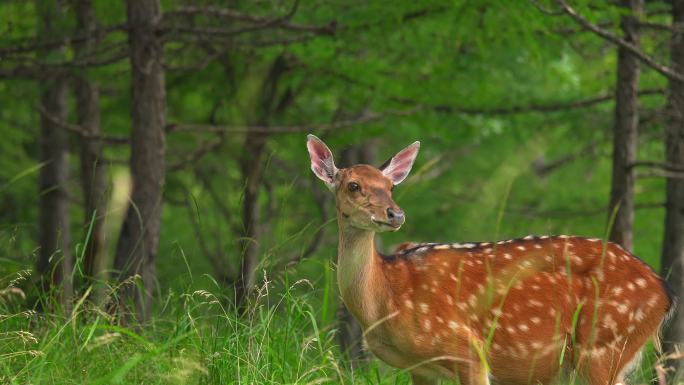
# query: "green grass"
[[194, 339]]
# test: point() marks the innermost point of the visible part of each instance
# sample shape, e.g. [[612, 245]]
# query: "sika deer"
[[519, 310]]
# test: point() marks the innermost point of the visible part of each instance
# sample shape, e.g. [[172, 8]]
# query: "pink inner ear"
[[401, 164], [321, 160], [318, 150]]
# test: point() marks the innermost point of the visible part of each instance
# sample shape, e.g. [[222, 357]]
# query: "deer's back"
[[521, 301]]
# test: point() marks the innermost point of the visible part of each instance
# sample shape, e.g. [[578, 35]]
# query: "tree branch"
[[80, 130], [203, 149], [659, 165], [532, 107], [33, 45], [364, 118], [259, 21], [634, 50]]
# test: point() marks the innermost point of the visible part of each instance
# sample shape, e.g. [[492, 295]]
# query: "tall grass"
[[194, 339]]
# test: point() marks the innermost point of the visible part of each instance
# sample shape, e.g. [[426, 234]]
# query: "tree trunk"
[[672, 258], [93, 170], [137, 246], [252, 167], [55, 261], [625, 131], [350, 334]]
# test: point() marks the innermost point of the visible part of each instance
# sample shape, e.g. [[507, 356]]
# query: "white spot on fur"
[[423, 307], [535, 320], [453, 325], [639, 315], [523, 327], [427, 325], [507, 256], [535, 303], [610, 323], [640, 282], [450, 299], [521, 248], [408, 303], [442, 247]]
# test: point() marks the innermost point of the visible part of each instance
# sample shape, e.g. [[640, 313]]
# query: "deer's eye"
[[353, 186]]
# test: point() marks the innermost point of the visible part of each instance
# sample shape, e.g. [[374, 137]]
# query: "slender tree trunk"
[[625, 131], [55, 261], [252, 167], [136, 249], [672, 259], [93, 170]]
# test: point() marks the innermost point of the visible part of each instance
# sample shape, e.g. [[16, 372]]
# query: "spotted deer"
[[521, 311]]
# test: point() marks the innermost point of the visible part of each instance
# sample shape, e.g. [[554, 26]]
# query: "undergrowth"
[[195, 338]]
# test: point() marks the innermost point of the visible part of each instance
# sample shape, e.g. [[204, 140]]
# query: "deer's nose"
[[395, 216]]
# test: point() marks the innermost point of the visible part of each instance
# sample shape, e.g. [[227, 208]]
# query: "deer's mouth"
[[393, 226]]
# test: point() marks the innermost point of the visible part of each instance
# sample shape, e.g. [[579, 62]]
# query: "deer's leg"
[[609, 367], [417, 379]]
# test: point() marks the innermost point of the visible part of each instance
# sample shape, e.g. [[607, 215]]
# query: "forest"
[[159, 219]]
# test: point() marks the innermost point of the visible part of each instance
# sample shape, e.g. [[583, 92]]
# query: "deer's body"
[[518, 310]]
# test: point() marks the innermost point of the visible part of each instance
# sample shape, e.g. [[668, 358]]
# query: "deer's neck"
[[359, 275]]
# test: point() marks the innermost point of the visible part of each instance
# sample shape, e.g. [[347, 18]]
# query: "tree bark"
[[672, 258], [136, 249], [252, 167], [625, 130], [93, 169], [55, 260]]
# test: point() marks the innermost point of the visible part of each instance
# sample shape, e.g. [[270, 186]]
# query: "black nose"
[[395, 217]]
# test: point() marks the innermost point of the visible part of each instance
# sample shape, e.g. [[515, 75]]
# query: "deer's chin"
[[382, 227]]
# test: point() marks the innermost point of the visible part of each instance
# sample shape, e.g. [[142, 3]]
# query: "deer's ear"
[[398, 167], [322, 163]]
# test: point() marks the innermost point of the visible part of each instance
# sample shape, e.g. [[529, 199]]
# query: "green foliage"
[[476, 177]]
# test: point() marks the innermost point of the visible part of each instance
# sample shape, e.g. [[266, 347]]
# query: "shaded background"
[[165, 141]]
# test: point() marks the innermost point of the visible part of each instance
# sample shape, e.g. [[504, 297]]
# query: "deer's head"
[[363, 193]]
